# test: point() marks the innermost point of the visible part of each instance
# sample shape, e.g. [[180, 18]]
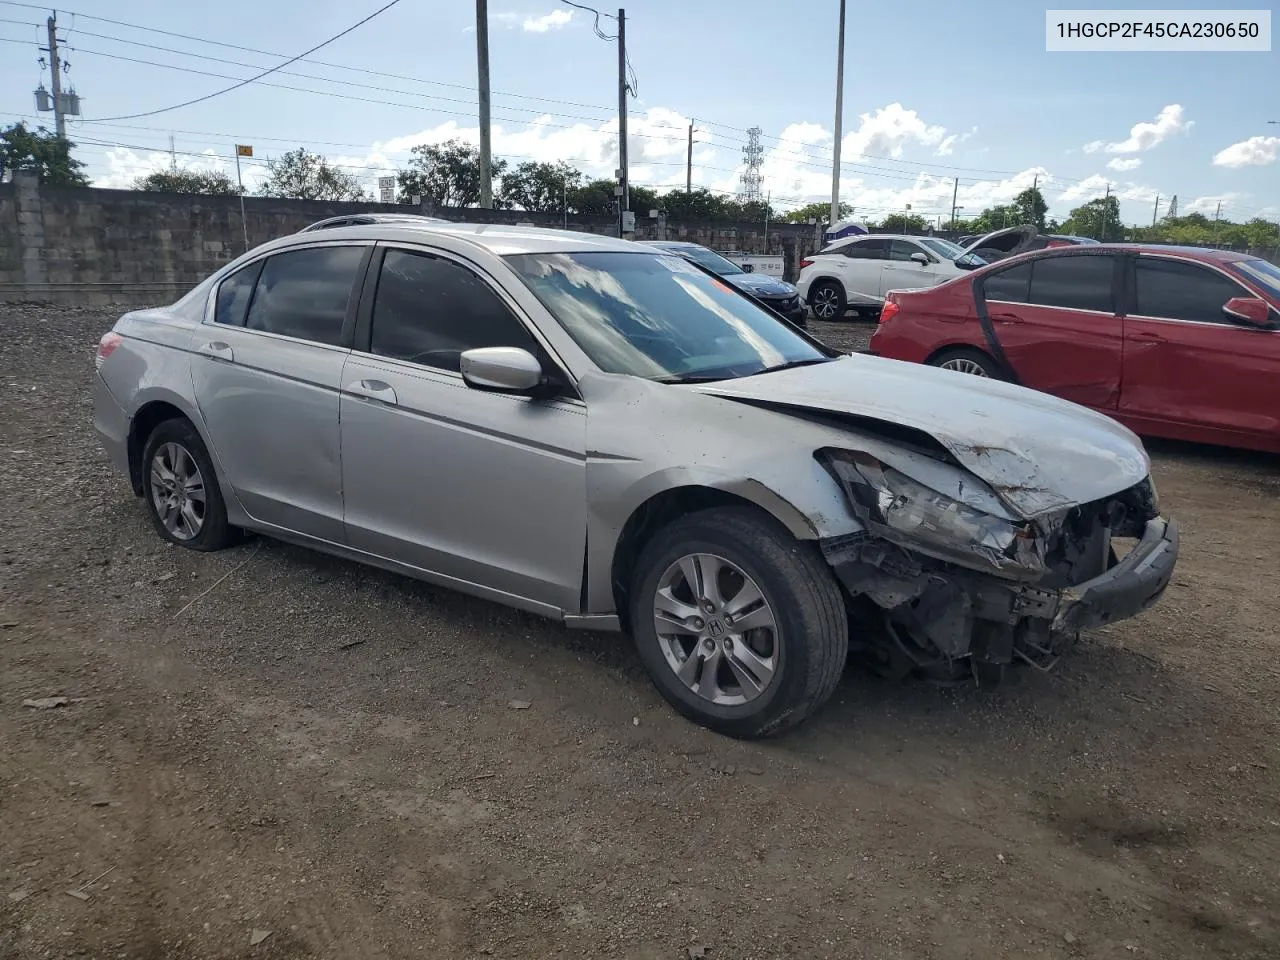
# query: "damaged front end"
[[956, 583]]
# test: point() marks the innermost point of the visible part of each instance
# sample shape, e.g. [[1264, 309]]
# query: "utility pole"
[[173, 155], [688, 163], [482, 69], [955, 195], [835, 156], [1217, 213], [1155, 214], [55, 67], [624, 199], [1106, 212]]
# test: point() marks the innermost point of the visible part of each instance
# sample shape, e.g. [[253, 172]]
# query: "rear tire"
[[828, 300], [181, 490], [968, 360], [739, 680]]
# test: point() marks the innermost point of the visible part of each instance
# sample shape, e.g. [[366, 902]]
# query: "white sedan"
[[857, 272]]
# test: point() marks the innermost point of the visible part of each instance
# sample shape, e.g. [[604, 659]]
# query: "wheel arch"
[[825, 278], [154, 407], [666, 505], [959, 345]]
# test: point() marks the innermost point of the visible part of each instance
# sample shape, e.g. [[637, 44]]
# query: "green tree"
[[903, 223], [1031, 207], [211, 182], [40, 152], [820, 211], [539, 187], [303, 175], [594, 197], [1099, 218], [447, 174], [699, 204]]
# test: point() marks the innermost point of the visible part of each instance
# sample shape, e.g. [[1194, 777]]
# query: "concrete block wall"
[[90, 245]]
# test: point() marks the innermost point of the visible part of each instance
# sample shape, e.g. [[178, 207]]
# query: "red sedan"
[[1171, 341]]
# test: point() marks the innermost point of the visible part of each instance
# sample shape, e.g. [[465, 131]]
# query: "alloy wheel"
[[716, 629], [965, 365], [177, 491], [826, 303]]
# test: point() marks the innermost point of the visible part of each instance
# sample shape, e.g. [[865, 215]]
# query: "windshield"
[[711, 260], [1261, 272], [943, 248], [656, 316]]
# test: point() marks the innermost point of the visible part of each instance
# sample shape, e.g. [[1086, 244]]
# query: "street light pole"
[[835, 156]]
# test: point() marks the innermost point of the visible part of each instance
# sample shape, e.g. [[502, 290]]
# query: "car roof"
[[498, 238], [672, 244], [1202, 253], [373, 217]]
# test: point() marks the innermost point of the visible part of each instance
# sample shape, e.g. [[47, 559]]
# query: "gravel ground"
[[270, 753]]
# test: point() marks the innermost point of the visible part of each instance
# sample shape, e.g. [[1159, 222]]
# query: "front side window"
[[234, 294], [305, 293], [657, 316], [902, 249], [1073, 282], [943, 248], [1182, 291], [428, 310]]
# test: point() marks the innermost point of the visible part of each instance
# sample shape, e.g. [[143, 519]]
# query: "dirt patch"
[[240, 766]]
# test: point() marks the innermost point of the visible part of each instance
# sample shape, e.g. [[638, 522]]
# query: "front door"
[[1188, 364], [479, 488], [266, 373], [1054, 318], [903, 273]]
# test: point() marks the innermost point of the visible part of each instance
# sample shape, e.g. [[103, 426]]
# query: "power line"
[[319, 63], [242, 83]]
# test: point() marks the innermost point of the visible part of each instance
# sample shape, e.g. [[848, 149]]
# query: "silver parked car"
[[600, 432]]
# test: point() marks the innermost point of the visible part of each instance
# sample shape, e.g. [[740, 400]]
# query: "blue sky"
[[933, 90]]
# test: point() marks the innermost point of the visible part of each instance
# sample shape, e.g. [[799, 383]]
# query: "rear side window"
[[234, 294], [304, 293], [1182, 291], [1011, 286], [428, 310], [874, 249], [1073, 282]]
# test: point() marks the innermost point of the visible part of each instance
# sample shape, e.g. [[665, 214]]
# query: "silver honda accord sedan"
[[603, 433]]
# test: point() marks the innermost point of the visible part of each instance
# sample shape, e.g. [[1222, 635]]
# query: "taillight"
[[889, 311], [806, 263], [107, 346]]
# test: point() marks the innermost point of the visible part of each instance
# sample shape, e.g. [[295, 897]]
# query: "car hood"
[[1039, 454], [761, 285]]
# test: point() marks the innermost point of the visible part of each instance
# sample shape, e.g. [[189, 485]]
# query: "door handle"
[[1146, 335], [1006, 318], [378, 390], [217, 350]]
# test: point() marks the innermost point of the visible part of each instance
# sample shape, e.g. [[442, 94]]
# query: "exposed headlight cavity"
[[908, 512]]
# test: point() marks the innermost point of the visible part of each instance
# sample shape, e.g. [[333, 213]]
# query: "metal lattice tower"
[[753, 157]]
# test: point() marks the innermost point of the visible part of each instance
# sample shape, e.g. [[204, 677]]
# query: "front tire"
[[828, 300], [742, 628], [181, 489]]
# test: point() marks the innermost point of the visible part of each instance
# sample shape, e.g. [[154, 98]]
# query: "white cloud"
[[1254, 152], [1124, 163], [1208, 205], [1147, 134], [532, 24], [1095, 187], [947, 146], [886, 132]]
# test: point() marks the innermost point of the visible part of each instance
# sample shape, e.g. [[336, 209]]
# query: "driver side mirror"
[[920, 258], [1250, 310], [500, 369]]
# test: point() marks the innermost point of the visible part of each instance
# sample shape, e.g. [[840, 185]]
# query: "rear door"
[[266, 374], [1187, 363], [859, 268], [1053, 322]]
